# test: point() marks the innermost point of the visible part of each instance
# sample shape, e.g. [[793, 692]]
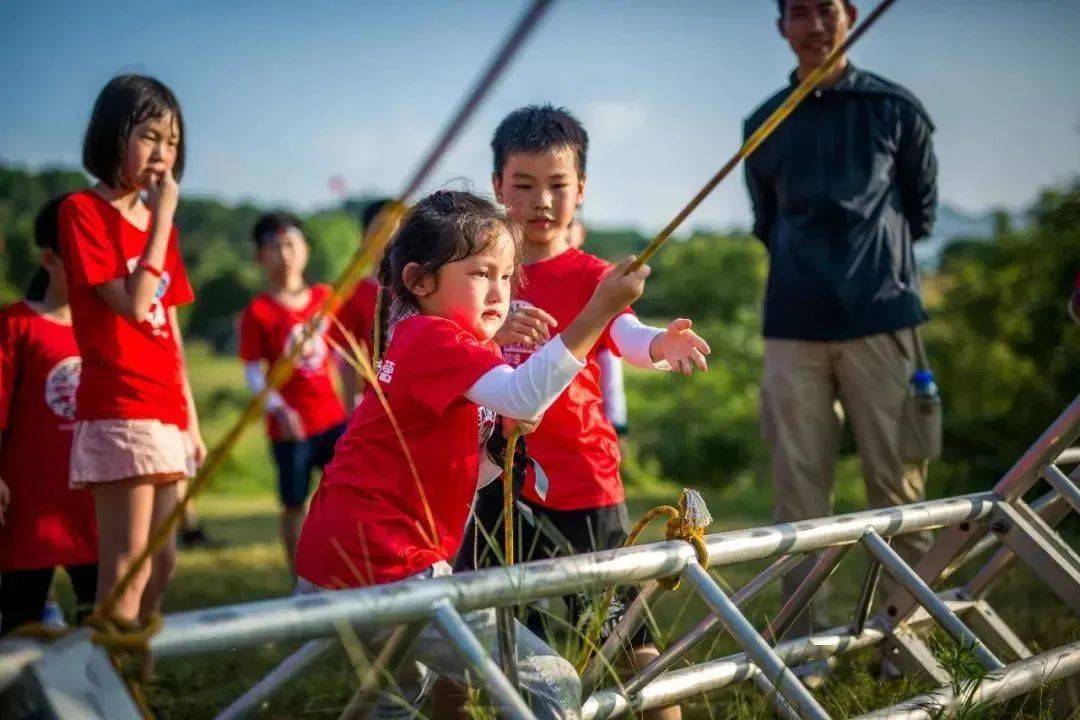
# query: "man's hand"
[[681, 347], [292, 427], [526, 325]]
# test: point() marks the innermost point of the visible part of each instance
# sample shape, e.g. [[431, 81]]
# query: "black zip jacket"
[[840, 191]]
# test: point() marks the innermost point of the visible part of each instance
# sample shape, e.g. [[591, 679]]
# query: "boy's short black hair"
[[539, 128], [371, 211], [782, 5], [123, 103], [271, 224]]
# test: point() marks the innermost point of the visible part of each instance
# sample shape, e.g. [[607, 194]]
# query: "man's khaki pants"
[[803, 380]]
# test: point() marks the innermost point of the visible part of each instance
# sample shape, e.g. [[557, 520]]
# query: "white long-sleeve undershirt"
[[633, 339], [529, 389], [256, 381], [611, 387]]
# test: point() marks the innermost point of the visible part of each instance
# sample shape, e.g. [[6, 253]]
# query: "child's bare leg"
[[124, 511], [449, 699], [164, 560], [643, 655]]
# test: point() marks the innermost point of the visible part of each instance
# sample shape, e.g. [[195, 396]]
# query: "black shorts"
[[547, 533], [23, 594], [297, 459]]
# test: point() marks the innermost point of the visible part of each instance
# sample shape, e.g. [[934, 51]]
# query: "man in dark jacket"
[[840, 192]]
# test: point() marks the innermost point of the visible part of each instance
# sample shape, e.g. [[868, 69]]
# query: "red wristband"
[[149, 268]]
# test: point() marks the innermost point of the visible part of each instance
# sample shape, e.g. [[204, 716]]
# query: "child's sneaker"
[[197, 538]]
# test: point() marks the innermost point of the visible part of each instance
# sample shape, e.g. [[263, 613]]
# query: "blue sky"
[[278, 97]]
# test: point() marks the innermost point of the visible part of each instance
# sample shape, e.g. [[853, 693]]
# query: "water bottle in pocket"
[[920, 425]]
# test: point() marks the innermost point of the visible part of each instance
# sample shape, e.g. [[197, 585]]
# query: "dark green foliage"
[[1006, 356]]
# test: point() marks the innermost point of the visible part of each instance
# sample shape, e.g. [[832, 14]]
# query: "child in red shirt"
[[382, 513], [573, 481], [305, 417], [43, 522], [136, 432]]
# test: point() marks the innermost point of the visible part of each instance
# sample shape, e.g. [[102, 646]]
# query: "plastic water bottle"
[[920, 427], [925, 390], [52, 615]]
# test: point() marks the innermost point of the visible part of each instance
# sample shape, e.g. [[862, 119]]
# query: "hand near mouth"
[[163, 193]]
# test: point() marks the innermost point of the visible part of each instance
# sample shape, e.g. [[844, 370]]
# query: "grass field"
[[240, 510]]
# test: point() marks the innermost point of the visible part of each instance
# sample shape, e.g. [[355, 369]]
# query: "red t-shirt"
[[357, 314], [130, 370], [268, 330], [575, 444], [47, 523], [370, 522]]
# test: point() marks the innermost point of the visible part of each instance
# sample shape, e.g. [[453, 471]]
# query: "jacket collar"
[[849, 80]]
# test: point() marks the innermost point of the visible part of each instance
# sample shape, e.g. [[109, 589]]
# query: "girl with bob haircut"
[[136, 432], [385, 512]]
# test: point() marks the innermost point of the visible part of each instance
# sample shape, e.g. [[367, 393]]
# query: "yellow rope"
[[508, 495], [127, 645], [687, 522]]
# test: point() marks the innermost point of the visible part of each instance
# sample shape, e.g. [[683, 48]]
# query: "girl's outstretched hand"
[[681, 347], [5, 499], [619, 289], [163, 194]]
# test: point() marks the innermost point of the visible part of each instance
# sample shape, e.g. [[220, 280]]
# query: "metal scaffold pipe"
[[300, 618]]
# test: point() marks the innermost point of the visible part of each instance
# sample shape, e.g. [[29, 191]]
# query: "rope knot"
[[688, 523], [128, 645]]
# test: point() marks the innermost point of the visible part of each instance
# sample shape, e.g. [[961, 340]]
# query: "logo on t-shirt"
[[311, 360], [60, 386], [156, 317], [385, 370], [487, 423], [517, 353]]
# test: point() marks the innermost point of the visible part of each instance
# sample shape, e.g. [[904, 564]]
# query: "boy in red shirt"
[[572, 482], [306, 416]]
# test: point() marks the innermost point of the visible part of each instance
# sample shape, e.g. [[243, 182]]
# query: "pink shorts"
[[115, 450]]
